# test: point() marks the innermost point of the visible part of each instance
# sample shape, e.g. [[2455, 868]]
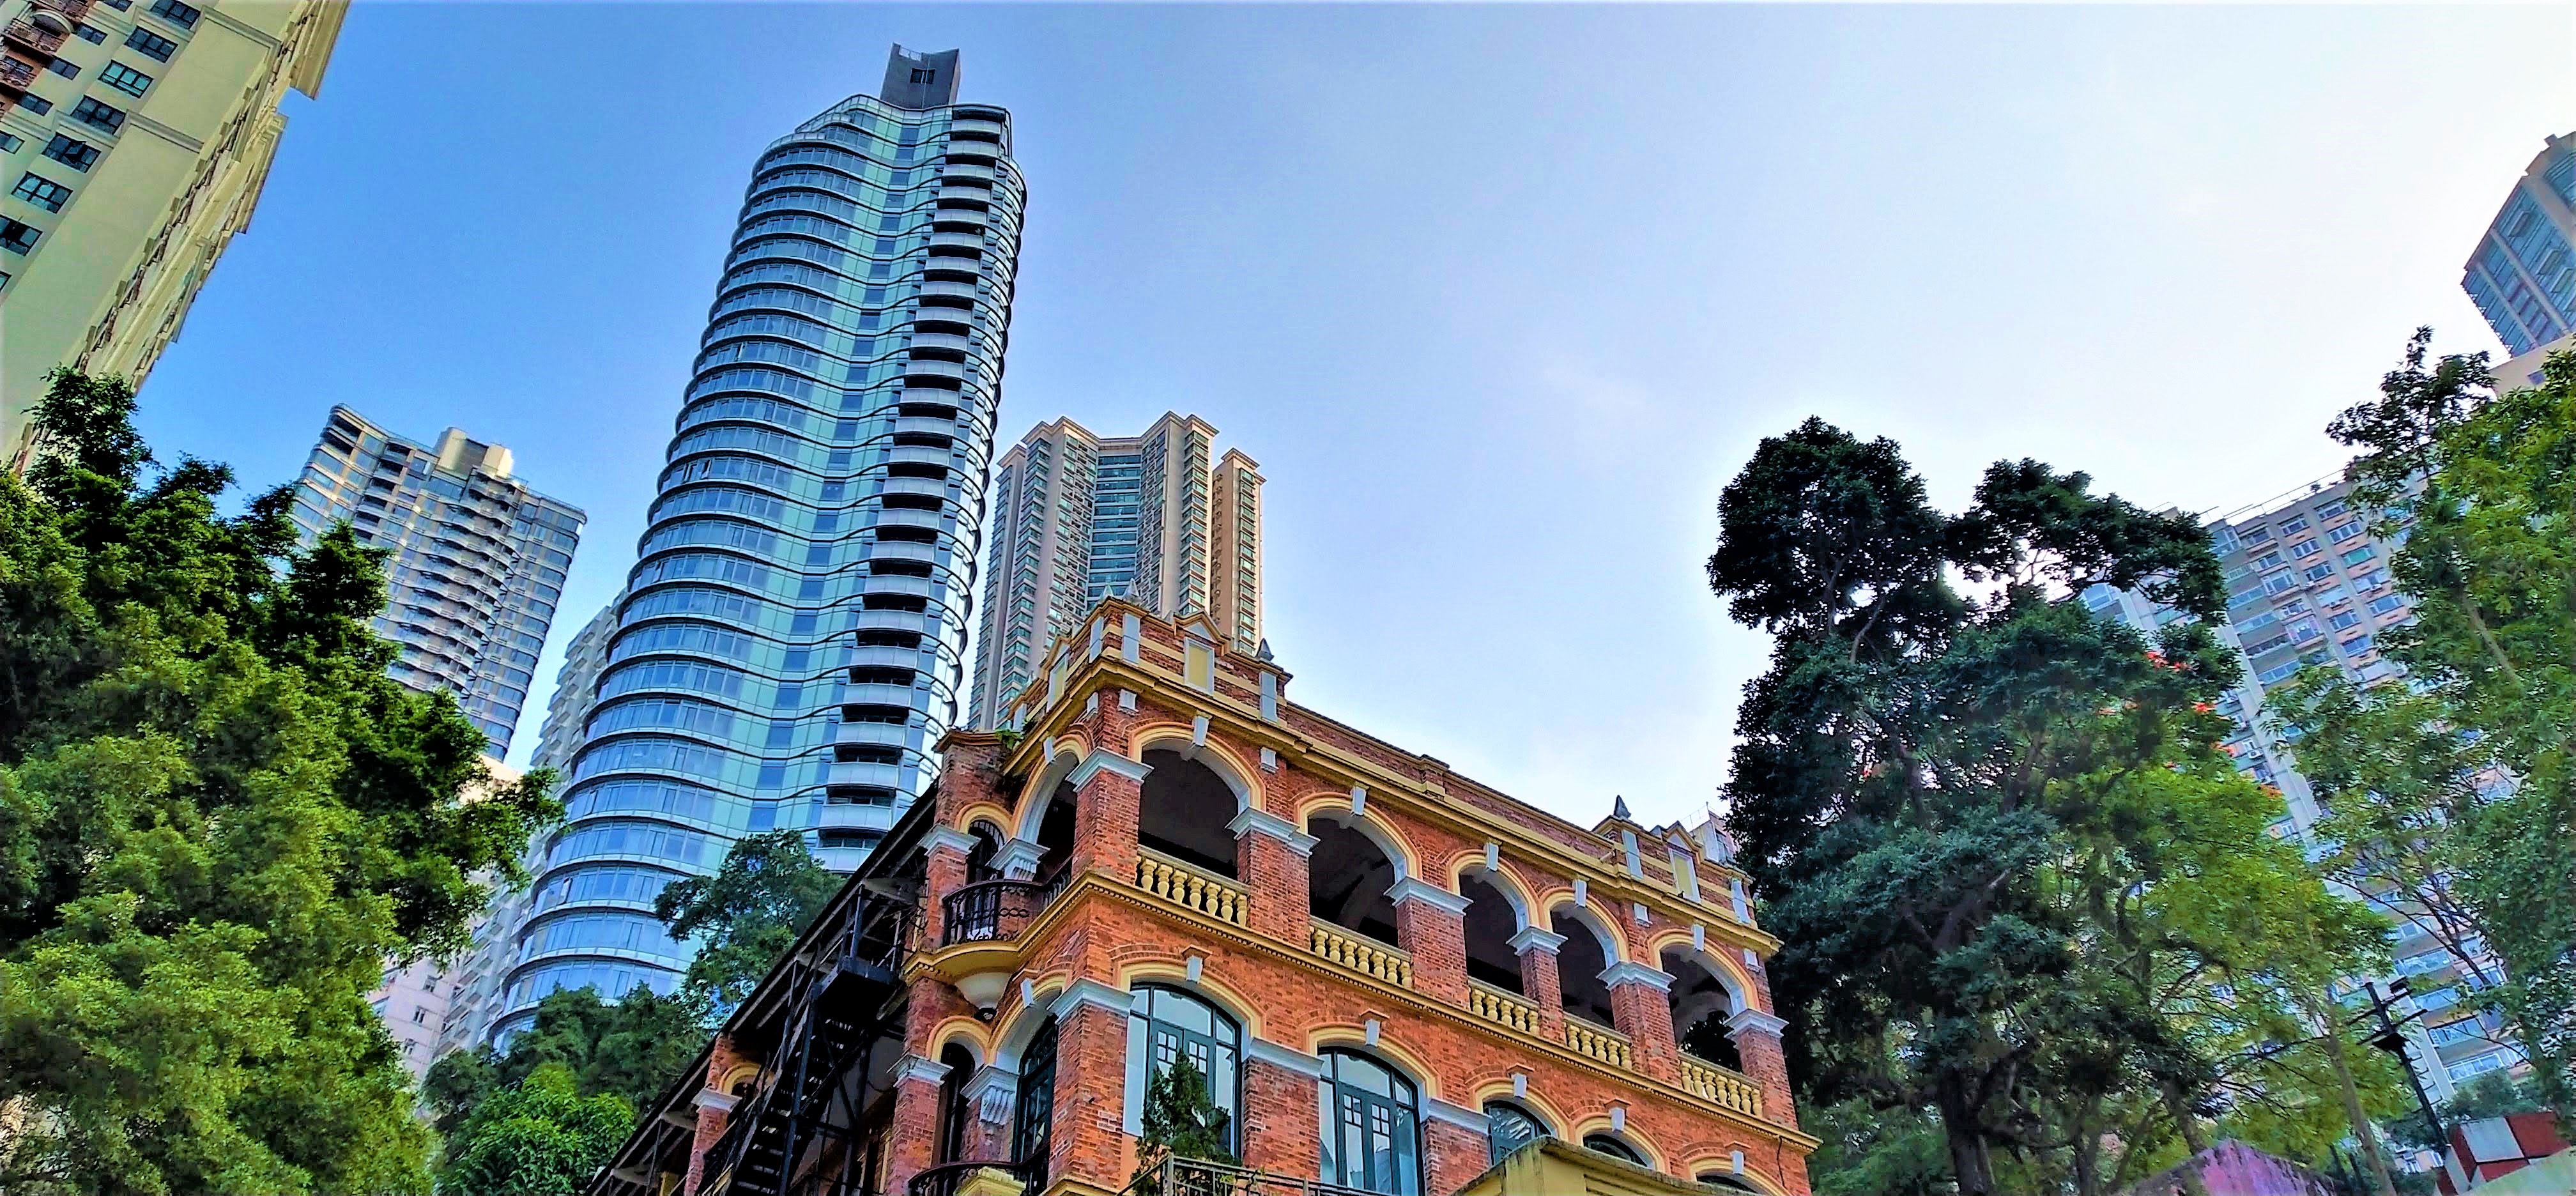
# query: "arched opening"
[[1184, 811], [1491, 922], [1347, 876], [1725, 1183], [979, 858], [1579, 964], [1613, 1147], [955, 1111], [1702, 1003], [1509, 1127], [1372, 1124], [1055, 831], [1167, 1025], [1033, 1115]]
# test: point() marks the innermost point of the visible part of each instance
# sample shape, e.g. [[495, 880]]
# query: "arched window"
[[979, 860], [1055, 830], [1491, 923], [1032, 1127], [1372, 1134], [1347, 878], [1164, 1025], [1509, 1127], [1579, 964], [1701, 1003], [1726, 1183], [955, 1113], [1184, 810], [1614, 1148]]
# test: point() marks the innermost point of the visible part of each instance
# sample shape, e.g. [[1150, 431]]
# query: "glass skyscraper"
[[791, 641], [478, 558], [2523, 275]]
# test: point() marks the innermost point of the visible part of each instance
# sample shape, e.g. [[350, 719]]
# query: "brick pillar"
[[1539, 979], [947, 849], [968, 768], [1452, 1155], [1280, 1119], [715, 1109], [1641, 1002], [1431, 926], [1757, 1040], [1270, 855], [912, 1141], [1090, 1139], [1109, 792]]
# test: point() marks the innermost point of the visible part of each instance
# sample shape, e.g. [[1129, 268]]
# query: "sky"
[[1500, 297]]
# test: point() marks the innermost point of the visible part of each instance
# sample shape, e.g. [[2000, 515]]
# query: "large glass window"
[[1613, 1147], [1509, 1127], [1032, 1127], [1165, 1025], [1371, 1126]]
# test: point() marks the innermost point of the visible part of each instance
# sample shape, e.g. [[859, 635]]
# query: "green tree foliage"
[[2463, 779], [537, 1137], [218, 820], [631, 1048], [1994, 831], [747, 914], [1180, 1121]]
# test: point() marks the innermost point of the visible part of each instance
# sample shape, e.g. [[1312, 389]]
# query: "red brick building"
[[1392, 975]]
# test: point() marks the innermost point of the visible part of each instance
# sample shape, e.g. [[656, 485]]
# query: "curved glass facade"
[[791, 642]]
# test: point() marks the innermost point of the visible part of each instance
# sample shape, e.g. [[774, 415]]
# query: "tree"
[[538, 1137], [1977, 820], [218, 819], [748, 913], [1180, 1121], [2462, 780], [631, 1048]]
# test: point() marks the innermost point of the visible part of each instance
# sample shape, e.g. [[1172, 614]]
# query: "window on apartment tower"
[[174, 12], [72, 152], [18, 237], [91, 111], [42, 192], [152, 45]]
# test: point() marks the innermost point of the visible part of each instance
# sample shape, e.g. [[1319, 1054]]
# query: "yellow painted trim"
[[977, 1039], [1599, 1123], [1175, 975], [1354, 1038]]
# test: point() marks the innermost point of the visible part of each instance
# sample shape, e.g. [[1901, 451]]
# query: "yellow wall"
[[113, 273]]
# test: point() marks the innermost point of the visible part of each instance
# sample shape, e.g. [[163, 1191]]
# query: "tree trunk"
[[1971, 1162], [2192, 1139]]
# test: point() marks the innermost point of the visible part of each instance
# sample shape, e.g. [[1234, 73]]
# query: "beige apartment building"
[[135, 136], [1155, 518]]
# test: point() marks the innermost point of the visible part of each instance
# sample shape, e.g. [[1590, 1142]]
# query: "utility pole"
[[2392, 1039], [2362, 1130]]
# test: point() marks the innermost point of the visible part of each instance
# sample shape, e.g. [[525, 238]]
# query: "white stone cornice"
[[1018, 859], [1755, 1021], [946, 836], [1632, 972], [1414, 888], [914, 1067], [1089, 992], [1531, 937], [709, 1098], [1436, 1109], [1099, 762], [1263, 822], [1286, 1058]]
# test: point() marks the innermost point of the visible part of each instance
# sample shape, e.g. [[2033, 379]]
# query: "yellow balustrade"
[[1184, 885], [1608, 1046], [1360, 955], [1732, 1089], [1495, 1005]]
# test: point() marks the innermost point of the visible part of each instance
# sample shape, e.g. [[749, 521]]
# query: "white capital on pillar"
[[1755, 1021], [1531, 937]]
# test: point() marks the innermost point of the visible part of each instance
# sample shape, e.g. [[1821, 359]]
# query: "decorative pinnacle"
[[1619, 809]]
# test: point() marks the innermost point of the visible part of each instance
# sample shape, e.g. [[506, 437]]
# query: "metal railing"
[[990, 911], [1178, 1176]]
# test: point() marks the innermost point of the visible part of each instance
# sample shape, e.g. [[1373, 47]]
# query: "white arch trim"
[[1584, 916], [1170, 739]]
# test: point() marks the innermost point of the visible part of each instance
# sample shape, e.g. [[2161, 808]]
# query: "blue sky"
[[1500, 297]]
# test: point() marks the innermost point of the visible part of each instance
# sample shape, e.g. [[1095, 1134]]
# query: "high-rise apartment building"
[[478, 557], [790, 645], [576, 691], [2523, 275], [135, 136], [1147, 518], [2308, 584]]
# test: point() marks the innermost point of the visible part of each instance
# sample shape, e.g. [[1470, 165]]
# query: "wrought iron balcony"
[[1178, 1176], [994, 910]]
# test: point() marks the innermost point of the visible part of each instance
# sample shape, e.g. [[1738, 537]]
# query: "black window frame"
[[72, 152], [1338, 1103], [1510, 1126], [1033, 1112], [149, 44], [89, 33], [1614, 1146], [176, 12], [108, 75], [88, 110], [36, 190], [18, 236]]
